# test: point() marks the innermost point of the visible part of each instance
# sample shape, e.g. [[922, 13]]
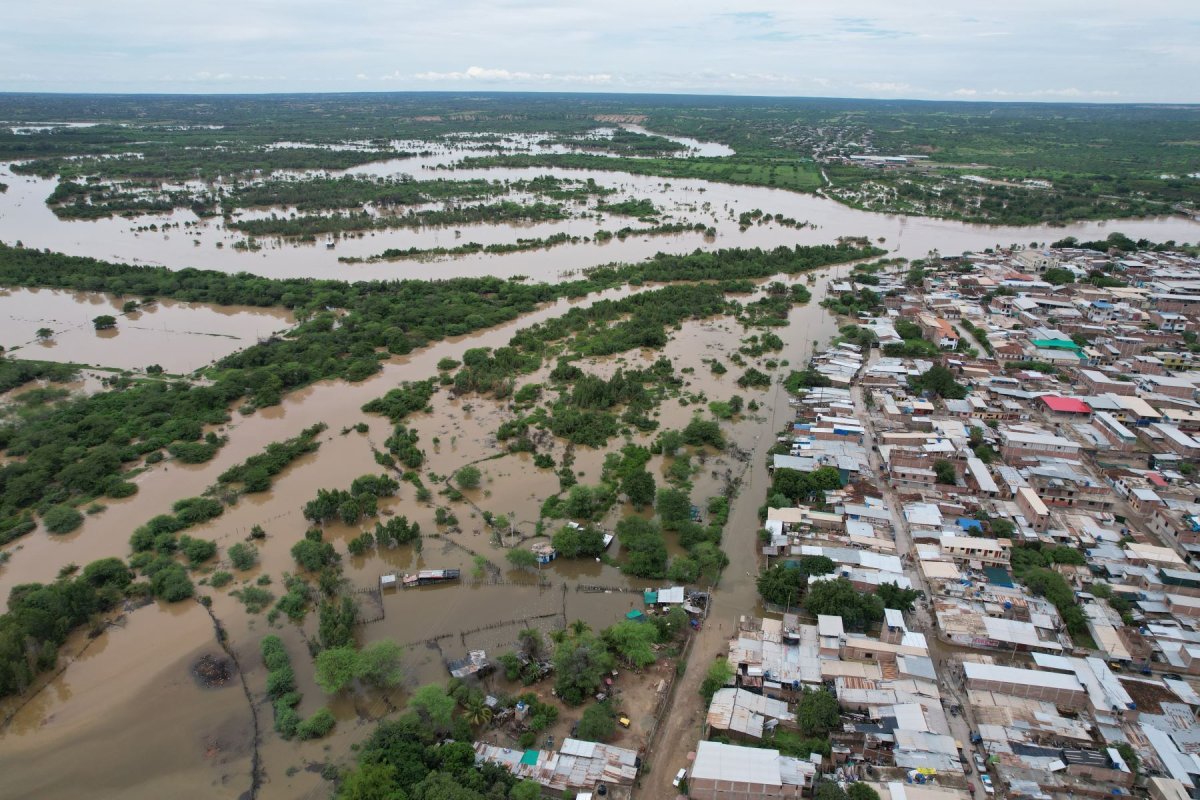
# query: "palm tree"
[[476, 712]]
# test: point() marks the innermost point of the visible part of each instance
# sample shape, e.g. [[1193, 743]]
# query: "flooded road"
[[180, 337]]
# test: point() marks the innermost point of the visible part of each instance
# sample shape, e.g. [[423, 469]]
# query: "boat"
[[329, 242], [428, 576]]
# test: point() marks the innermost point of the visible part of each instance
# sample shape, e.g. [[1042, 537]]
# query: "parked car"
[[679, 776], [980, 764], [1173, 676], [987, 784]]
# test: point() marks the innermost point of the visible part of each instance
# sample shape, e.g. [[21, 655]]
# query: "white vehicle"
[[987, 784], [980, 764], [679, 776]]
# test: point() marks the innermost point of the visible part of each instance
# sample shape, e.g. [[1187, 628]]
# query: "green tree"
[[61, 519], [370, 781], [945, 472], [639, 487], [1002, 528], [104, 322], [673, 507], [939, 382], [719, 674], [817, 712], [468, 477], [782, 585], [892, 596], [580, 663], [861, 791], [522, 558], [243, 556], [838, 597], [633, 642], [379, 664], [45, 333], [337, 668], [433, 705], [525, 790], [598, 723], [476, 712]]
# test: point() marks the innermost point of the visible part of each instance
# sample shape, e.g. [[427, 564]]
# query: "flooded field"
[[179, 337], [206, 243], [434, 623], [127, 702]]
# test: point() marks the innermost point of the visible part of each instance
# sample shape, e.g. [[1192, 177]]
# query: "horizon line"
[[585, 93]]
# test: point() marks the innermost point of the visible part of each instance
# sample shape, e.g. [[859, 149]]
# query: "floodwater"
[[179, 337], [434, 623], [132, 683], [25, 217], [127, 719]]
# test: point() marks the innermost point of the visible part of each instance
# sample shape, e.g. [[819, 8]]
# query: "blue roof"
[[1101, 304], [967, 524]]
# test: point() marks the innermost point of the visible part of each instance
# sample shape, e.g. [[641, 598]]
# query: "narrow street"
[[921, 618]]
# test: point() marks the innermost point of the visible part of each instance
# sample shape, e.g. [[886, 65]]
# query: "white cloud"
[[488, 75], [920, 48]]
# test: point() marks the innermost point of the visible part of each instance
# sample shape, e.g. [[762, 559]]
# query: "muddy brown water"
[[133, 683], [25, 217], [435, 623], [179, 337]]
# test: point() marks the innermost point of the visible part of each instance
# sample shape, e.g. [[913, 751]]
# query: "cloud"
[[1071, 92], [884, 87], [926, 49], [490, 75]]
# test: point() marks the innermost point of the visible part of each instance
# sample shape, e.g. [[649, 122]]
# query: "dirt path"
[[737, 596]]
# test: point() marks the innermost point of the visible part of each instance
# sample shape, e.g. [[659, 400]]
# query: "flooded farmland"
[[207, 243], [179, 337], [435, 623]]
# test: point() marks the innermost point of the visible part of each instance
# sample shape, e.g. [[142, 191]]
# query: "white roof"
[[995, 672], [1017, 632], [828, 625], [894, 618], [671, 595], [727, 762]]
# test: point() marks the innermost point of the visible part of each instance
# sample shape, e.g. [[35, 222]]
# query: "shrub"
[[62, 519], [243, 556], [317, 725], [468, 477]]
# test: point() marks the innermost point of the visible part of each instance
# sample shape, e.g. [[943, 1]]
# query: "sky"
[[988, 50]]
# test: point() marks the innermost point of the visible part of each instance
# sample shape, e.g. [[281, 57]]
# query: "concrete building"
[[1035, 511], [1064, 690], [1020, 444], [728, 772]]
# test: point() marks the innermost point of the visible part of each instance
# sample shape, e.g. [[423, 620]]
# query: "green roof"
[[1056, 344], [649, 596], [635, 614], [530, 757]]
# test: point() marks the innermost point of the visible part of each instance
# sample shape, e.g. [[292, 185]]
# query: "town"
[[999, 596]]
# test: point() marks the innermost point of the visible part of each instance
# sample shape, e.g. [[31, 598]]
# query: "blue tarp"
[[968, 524]]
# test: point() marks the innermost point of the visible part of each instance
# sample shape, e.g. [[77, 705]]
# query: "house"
[[740, 712], [729, 772], [1019, 444], [1035, 511]]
